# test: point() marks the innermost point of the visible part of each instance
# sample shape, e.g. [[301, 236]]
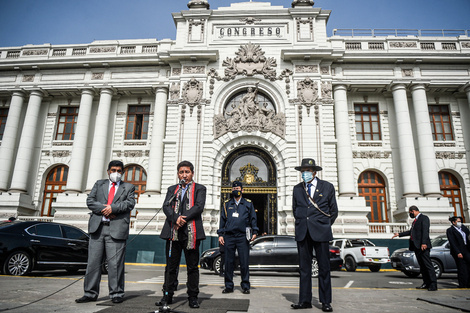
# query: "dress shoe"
[[423, 286], [432, 288], [304, 305], [165, 300], [117, 299], [246, 291], [193, 304], [85, 299], [326, 307], [227, 290]]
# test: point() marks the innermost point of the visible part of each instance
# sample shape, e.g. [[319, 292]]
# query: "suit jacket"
[[246, 218], [122, 205], [419, 233], [457, 244], [193, 214], [307, 217]]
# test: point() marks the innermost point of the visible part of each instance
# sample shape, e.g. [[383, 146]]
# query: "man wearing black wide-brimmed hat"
[[315, 210]]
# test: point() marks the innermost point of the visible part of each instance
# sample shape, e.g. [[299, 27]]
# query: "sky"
[[58, 22]]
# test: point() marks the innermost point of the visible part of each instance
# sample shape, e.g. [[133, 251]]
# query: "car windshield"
[[438, 241], [360, 243]]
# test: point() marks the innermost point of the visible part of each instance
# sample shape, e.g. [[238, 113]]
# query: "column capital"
[[37, 93], [161, 89], [340, 87], [88, 91], [397, 86], [18, 93], [107, 90], [417, 86]]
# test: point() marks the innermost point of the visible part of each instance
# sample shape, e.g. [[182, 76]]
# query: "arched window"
[[55, 184], [136, 175], [450, 188], [372, 188]]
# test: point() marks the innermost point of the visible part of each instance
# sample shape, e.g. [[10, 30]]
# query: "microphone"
[[180, 184]]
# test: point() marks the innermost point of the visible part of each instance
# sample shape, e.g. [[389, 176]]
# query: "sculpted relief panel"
[[250, 112]]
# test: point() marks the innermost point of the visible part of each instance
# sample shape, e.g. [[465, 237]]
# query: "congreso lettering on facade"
[[244, 92]]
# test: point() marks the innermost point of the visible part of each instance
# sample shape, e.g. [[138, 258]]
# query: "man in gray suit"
[[110, 201]]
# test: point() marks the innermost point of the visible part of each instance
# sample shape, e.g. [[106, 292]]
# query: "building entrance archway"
[[257, 171]]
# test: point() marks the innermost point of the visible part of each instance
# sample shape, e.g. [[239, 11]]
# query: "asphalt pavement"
[[361, 291]]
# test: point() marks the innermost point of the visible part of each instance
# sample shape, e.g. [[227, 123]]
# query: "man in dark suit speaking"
[[420, 243], [315, 210], [111, 202]]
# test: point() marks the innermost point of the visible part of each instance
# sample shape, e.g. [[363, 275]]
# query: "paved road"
[[361, 291]]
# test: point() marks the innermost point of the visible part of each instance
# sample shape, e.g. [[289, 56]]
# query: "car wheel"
[[350, 264], [17, 264], [217, 265], [437, 267], [104, 267], [411, 274], [315, 268], [375, 268]]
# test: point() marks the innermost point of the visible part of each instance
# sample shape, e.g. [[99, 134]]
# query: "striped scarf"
[[192, 224]]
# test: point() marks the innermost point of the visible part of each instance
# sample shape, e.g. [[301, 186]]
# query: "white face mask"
[[458, 224], [115, 177]]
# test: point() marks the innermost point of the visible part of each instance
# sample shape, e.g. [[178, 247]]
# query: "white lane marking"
[[349, 284], [400, 283]]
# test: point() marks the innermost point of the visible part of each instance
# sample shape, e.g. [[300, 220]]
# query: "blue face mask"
[[307, 176]]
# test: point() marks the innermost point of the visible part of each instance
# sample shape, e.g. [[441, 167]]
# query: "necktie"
[[112, 190], [309, 189], [412, 225]]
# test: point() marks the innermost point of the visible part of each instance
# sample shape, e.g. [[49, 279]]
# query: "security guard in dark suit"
[[237, 228]]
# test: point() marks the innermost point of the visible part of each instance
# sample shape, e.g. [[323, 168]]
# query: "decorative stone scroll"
[[449, 155], [28, 78], [465, 44], [102, 49], [371, 155], [306, 68], [403, 44], [249, 20], [35, 52], [97, 76], [250, 116], [407, 72], [193, 69]]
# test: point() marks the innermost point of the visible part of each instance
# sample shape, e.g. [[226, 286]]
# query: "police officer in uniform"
[[237, 228]]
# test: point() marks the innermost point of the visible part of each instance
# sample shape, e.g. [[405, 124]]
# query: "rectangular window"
[[67, 122], [440, 122], [3, 121], [367, 121], [137, 122]]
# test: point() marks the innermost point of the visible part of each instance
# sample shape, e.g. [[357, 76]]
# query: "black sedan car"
[[405, 260], [33, 245], [272, 253]]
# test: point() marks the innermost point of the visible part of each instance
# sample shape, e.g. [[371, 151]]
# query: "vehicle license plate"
[[394, 264], [376, 259]]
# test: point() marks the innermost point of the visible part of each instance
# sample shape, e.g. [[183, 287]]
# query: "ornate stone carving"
[[28, 78], [97, 76], [302, 3], [35, 52], [407, 72], [307, 91], [60, 153], [250, 20], [102, 49], [192, 92], [402, 44], [198, 4], [66, 143], [449, 155], [193, 69], [465, 44], [250, 60], [371, 155], [249, 116], [175, 91], [176, 71], [326, 90], [306, 68], [134, 143], [444, 144], [325, 70]]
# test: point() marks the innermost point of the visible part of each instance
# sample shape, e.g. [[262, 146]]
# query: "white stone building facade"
[[244, 92]]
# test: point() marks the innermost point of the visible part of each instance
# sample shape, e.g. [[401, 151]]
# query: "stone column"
[[100, 139], [427, 155], [155, 169], [10, 137], [405, 142], [77, 162], [344, 149], [21, 173]]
